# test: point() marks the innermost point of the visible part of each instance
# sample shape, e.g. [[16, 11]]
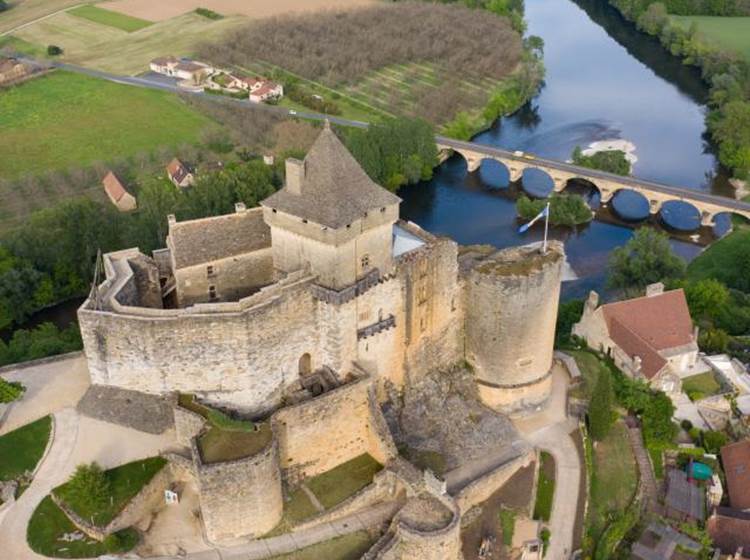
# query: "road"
[[490, 151]]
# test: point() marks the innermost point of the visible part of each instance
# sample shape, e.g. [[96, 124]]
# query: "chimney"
[[295, 173], [239, 207], [592, 302], [654, 289]]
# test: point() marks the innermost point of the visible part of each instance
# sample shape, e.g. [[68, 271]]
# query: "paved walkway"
[[550, 431], [283, 544]]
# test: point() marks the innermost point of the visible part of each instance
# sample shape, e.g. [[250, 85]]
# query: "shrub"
[[54, 50], [89, 487], [611, 161], [210, 14], [714, 441], [40, 342], [713, 341], [3, 5], [565, 209], [600, 408], [10, 390], [686, 425]]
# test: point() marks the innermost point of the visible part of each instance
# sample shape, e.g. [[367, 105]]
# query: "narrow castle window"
[[212, 292], [209, 270], [365, 262]]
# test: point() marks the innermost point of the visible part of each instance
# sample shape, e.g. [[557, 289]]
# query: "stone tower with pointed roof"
[[331, 217]]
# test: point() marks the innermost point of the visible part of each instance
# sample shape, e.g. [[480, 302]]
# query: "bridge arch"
[[630, 205], [681, 215], [494, 174], [537, 182]]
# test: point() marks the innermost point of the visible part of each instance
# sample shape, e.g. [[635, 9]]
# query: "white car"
[[292, 112]]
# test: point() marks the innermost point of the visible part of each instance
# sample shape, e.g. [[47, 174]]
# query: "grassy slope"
[[334, 486], [113, 50], [348, 547], [21, 449], [125, 482], [64, 120], [719, 256], [110, 18], [25, 11], [545, 492], [48, 524], [614, 479], [728, 32]]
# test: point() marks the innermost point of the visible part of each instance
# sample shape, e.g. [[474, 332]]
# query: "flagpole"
[[546, 231]]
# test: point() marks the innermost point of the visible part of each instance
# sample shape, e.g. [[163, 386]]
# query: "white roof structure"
[[404, 241]]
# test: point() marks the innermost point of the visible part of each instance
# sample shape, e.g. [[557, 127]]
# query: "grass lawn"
[[21, 449], [545, 491], [48, 524], [508, 525], [63, 120], [731, 33], [25, 11], [348, 547], [613, 481], [334, 486], [112, 49], [125, 482], [590, 367], [219, 445], [297, 508], [701, 386], [107, 17], [720, 256]]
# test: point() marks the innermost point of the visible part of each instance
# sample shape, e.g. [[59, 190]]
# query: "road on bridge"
[[490, 151]]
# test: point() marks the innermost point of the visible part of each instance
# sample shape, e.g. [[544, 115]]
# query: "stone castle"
[[305, 314]]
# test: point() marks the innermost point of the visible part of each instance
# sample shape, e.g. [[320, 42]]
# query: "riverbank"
[[725, 70]]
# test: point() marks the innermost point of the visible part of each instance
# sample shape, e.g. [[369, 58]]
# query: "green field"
[[107, 17], [25, 11], [64, 120], [21, 449], [614, 480], [96, 45], [731, 33]]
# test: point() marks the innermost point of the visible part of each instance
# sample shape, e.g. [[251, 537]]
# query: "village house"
[[180, 174], [267, 91], [650, 337], [183, 69], [736, 460], [118, 195], [11, 70]]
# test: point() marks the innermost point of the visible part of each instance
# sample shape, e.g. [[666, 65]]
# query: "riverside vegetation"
[[726, 71], [565, 209]]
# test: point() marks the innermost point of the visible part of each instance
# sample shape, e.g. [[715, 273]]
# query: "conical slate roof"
[[335, 189]]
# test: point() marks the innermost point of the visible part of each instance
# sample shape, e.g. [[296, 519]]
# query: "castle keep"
[[304, 314]]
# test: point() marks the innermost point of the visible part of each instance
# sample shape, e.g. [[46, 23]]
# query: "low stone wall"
[[570, 364], [41, 361], [187, 425], [413, 544], [483, 487], [147, 500]]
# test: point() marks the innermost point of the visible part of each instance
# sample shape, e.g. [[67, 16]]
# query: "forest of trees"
[[726, 72]]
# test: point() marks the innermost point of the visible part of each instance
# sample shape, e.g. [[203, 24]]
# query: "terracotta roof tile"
[[113, 186], [633, 345], [335, 189], [730, 530], [736, 460], [177, 170]]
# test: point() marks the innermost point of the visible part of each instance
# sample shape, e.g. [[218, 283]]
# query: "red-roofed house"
[[729, 529], [650, 337], [180, 174], [269, 90], [118, 195], [736, 461]]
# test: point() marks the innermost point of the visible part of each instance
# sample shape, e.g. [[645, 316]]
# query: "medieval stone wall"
[[240, 498], [232, 278], [241, 359], [480, 489], [320, 434], [187, 425], [512, 299]]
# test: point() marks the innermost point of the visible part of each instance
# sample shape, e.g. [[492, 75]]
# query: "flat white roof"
[[404, 241]]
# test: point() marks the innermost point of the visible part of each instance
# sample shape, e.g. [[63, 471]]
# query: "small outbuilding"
[[118, 194], [180, 174]]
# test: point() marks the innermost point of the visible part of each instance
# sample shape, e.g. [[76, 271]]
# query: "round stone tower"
[[511, 311]]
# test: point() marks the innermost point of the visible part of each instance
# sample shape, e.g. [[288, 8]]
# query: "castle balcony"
[[361, 286], [383, 325]]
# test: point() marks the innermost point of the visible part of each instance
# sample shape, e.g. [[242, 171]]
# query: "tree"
[[600, 406], [611, 161], [3, 5], [88, 487], [657, 418], [706, 298], [565, 209], [568, 314], [732, 131], [714, 441], [646, 258], [54, 50], [713, 341]]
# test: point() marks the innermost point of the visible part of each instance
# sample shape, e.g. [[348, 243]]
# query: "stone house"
[[164, 65], [118, 194], [650, 337], [266, 91], [180, 174], [11, 70], [190, 71]]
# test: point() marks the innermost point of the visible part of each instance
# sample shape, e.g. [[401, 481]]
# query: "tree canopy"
[[646, 258]]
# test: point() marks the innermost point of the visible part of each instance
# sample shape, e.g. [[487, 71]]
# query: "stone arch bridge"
[[608, 184]]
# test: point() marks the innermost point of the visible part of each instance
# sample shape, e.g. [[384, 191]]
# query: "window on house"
[[212, 292], [365, 262], [209, 270]]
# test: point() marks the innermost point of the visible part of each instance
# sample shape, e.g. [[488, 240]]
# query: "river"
[[605, 80]]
